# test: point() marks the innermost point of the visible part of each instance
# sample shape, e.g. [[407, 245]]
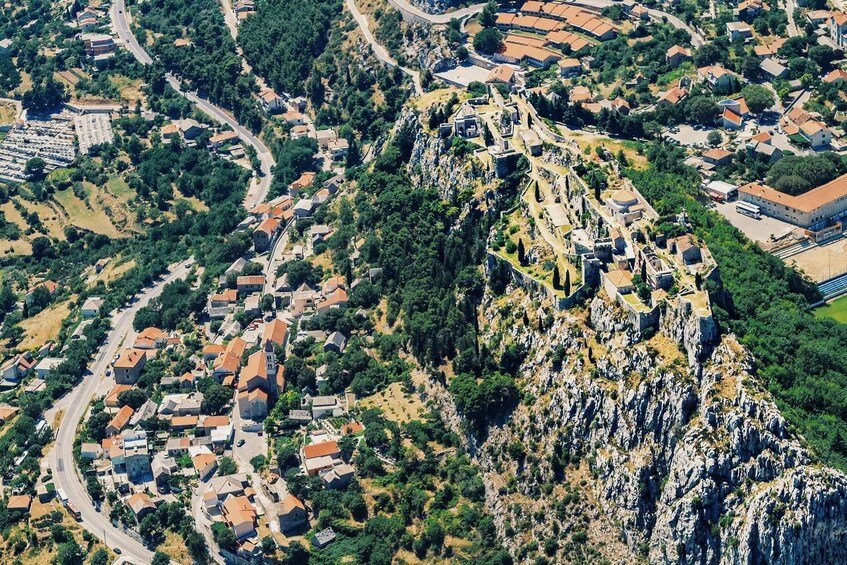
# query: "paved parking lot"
[[464, 75], [689, 136], [759, 230]]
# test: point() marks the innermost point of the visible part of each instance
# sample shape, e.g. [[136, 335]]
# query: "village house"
[[92, 306], [676, 55], [569, 68], [129, 365], [141, 505], [253, 404], [501, 74], [717, 156], [119, 421], [715, 77], [240, 515], [271, 102], [151, 338], [738, 30], [248, 284], [292, 514], [838, 28], [265, 234]]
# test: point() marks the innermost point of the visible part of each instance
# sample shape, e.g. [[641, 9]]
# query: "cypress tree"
[[567, 283], [521, 252], [556, 280]]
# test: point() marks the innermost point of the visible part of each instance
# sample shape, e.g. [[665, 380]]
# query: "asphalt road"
[[697, 40], [378, 49], [415, 13], [61, 458], [259, 190]]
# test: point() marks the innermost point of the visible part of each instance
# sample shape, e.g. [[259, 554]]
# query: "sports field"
[[837, 310]]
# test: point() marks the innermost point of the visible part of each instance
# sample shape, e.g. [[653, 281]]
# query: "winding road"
[[77, 402], [259, 189], [378, 49], [61, 457], [413, 13]]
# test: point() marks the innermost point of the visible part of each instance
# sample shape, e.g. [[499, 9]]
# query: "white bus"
[[63, 498], [748, 209]]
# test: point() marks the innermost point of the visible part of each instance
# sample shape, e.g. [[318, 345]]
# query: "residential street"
[[61, 458]]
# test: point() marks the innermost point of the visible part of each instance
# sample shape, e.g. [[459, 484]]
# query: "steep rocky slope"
[[627, 449], [673, 462]]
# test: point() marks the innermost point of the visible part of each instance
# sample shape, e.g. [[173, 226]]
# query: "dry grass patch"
[[91, 218], [395, 404], [8, 113], [19, 247], [51, 218], [130, 89], [113, 270], [12, 215], [45, 325], [174, 547]]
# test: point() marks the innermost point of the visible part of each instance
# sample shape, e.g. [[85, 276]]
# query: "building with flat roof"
[[811, 210]]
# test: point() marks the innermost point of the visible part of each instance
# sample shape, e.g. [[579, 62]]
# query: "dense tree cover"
[[210, 64], [418, 503], [620, 57], [488, 40], [347, 89], [758, 98], [176, 303], [795, 174], [284, 37], [798, 357]]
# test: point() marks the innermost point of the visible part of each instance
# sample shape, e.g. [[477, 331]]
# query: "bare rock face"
[[688, 459], [683, 325], [432, 165], [434, 6]]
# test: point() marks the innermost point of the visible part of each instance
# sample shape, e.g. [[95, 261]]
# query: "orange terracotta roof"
[[717, 154], [764, 137], [213, 349], [112, 396], [237, 346], [19, 502], [275, 331], [320, 449], [202, 460], [184, 421], [731, 116], [129, 359], [291, 502], [807, 202], [268, 225], [352, 428], [121, 419], [215, 421]]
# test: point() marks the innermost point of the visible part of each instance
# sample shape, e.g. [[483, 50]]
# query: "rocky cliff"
[[626, 449], [646, 451], [433, 165]]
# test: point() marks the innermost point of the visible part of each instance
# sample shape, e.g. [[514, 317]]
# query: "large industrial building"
[[812, 210]]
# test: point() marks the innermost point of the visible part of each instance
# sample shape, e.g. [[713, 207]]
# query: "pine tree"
[[567, 283], [556, 280], [521, 252]]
